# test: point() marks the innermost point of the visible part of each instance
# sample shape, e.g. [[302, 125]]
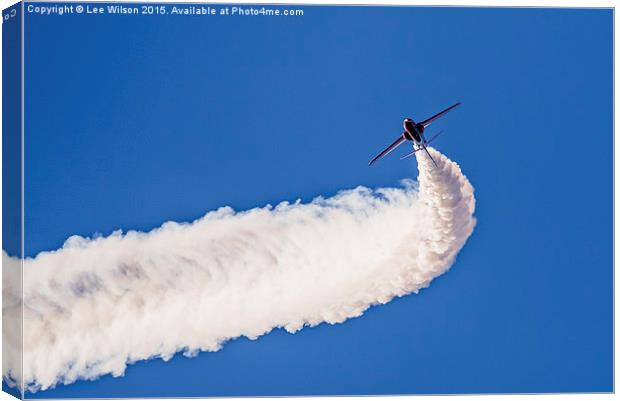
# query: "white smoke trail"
[[96, 305]]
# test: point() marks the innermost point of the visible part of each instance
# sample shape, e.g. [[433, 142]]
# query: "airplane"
[[414, 132]]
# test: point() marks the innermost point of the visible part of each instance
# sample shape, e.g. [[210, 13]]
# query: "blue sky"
[[133, 121]]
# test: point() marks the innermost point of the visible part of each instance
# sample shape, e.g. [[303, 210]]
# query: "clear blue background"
[[135, 120]]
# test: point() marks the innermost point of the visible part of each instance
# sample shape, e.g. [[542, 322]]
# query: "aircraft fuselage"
[[413, 132]]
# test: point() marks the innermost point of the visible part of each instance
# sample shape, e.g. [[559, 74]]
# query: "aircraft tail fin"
[[423, 147], [429, 155], [420, 148]]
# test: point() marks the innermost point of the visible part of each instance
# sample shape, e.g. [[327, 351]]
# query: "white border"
[[472, 3]]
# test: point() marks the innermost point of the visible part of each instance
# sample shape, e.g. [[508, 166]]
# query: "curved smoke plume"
[[96, 305]]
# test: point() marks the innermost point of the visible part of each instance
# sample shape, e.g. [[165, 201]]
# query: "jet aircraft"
[[414, 132]]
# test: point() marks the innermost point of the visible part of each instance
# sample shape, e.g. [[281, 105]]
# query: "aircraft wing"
[[428, 121], [387, 150]]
